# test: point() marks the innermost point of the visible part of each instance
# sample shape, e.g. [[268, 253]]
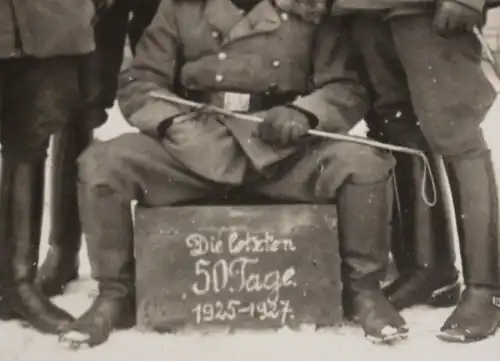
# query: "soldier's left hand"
[[453, 16], [283, 125]]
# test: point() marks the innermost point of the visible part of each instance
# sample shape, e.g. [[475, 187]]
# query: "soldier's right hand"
[[452, 16]]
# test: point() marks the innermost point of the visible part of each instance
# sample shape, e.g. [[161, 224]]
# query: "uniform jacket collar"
[[226, 17], [311, 11], [264, 17]]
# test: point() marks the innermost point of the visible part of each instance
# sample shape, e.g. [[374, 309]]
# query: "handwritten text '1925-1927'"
[[236, 270]]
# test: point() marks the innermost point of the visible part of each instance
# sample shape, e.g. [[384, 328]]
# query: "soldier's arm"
[[153, 68], [339, 100]]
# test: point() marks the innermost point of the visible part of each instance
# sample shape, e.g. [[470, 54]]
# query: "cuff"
[[311, 118], [150, 117], [165, 124]]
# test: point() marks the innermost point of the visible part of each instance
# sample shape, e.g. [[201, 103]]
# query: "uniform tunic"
[[204, 48]]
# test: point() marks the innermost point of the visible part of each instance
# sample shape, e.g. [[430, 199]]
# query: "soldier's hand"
[[453, 16], [283, 125]]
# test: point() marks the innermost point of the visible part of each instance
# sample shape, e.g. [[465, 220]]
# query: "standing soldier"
[[431, 46], [98, 79], [42, 44], [276, 58]]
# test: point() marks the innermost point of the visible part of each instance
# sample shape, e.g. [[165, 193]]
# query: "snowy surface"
[[346, 343]]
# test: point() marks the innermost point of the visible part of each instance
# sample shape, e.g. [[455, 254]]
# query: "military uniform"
[[41, 46], [273, 59], [98, 78], [425, 72]]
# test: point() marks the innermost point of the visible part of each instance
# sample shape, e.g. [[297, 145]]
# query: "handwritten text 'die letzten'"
[[233, 243]]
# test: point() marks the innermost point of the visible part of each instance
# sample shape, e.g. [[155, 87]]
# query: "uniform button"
[[215, 34], [273, 87], [284, 16], [222, 56], [219, 78], [276, 63]]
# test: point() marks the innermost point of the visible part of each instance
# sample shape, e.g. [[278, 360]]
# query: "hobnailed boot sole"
[[394, 335], [77, 340], [458, 338], [458, 327], [95, 326]]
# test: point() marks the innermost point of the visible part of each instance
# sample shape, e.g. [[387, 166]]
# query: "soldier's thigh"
[[373, 39], [40, 97], [449, 90], [324, 168], [140, 168]]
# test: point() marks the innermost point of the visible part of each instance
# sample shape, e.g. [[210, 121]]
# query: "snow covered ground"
[[346, 343]]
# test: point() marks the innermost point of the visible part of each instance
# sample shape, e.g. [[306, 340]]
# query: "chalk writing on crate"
[[235, 270]]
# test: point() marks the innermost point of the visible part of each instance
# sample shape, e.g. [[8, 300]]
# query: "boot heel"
[[446, 296]]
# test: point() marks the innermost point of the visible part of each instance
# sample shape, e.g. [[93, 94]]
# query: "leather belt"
[[242, 102]]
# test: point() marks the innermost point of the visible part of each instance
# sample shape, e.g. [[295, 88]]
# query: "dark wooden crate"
[[307, 274]]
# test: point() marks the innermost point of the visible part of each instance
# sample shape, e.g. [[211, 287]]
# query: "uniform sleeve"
[[338, 100], [154, 68]]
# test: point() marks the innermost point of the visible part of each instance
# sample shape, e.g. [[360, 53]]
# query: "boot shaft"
[[363, 219], [65, 232], [424, 232], [422, 236], [474, 190], [22, 211]]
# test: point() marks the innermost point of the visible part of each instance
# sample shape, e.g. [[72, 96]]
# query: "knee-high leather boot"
[[22, 199], [61, 263], [422, 245], [474, 190], [427, 267], [107, 223], [363, 217]]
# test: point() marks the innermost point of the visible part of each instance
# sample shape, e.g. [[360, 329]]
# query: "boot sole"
[[443, 336], [388, 340], [75, 340], [456, 339]]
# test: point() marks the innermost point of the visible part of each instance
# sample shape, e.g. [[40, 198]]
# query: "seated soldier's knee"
[[102, 162], [360, 164], [353, 163], [369, 165]]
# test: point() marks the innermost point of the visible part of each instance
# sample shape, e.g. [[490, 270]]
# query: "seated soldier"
[[282, 60]]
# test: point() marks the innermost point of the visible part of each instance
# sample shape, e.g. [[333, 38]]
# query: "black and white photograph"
[[249, 180]]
